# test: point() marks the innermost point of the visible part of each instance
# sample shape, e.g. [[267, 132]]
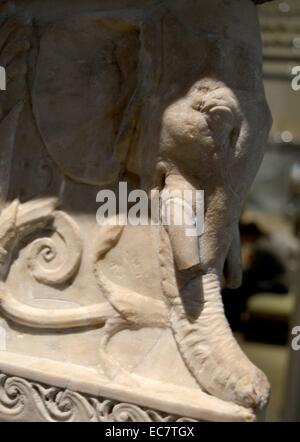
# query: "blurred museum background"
[[263, 311]]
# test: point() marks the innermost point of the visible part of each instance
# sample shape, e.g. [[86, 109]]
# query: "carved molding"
[[22, 400]]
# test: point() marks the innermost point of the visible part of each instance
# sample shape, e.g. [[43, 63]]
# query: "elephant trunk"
[[202, 333]]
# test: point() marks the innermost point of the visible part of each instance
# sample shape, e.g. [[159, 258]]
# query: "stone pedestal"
[[122, 322]]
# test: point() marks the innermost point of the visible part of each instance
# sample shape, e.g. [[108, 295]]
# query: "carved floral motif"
[[20, 399]]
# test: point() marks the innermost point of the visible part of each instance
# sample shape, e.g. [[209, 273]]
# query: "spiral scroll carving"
[[51, 260], [22, 400], [55, 262]]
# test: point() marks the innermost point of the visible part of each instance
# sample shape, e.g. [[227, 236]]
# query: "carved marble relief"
[[21, 400], [159, 95]]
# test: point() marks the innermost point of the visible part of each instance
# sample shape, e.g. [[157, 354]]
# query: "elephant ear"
[[84, 94]]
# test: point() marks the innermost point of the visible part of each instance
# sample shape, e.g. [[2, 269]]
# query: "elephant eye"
[[220, 119], [198, 107]]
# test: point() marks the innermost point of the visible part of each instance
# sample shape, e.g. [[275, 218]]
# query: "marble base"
[[41, 390]]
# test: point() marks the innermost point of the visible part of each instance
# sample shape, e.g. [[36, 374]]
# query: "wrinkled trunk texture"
[[197, 318]]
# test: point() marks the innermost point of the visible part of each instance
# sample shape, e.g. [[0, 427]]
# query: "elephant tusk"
[[179, 219]]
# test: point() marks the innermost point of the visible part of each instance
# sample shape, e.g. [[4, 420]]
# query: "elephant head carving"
[[182, 107], [214, 128]]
